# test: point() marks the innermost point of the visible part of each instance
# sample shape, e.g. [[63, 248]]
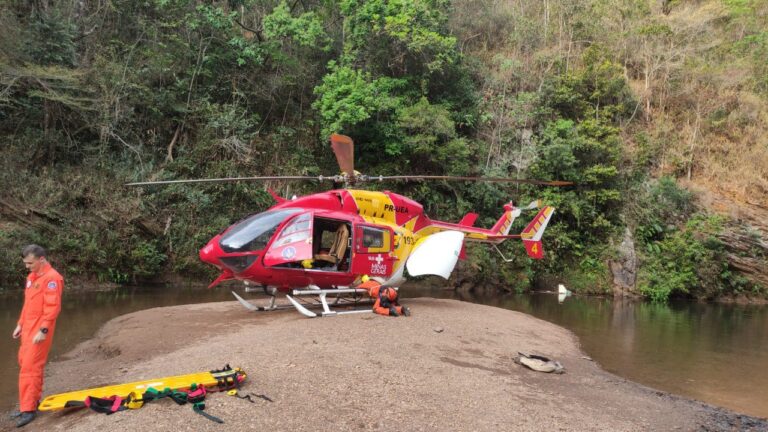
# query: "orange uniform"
[[386, 299], [42, 303]]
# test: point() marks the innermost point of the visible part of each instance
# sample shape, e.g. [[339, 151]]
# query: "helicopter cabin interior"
[[332, 244], [336, 245]]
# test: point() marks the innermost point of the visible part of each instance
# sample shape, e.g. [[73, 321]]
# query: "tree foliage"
[[685, 262], [603, 93]]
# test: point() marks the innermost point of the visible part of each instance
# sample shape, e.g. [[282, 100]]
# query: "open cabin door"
[[293, 243], [373, 250]]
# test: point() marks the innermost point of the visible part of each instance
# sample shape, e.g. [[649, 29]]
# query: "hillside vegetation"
[[658, 110]]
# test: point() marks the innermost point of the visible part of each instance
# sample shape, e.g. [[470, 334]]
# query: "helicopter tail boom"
[[496, 234]]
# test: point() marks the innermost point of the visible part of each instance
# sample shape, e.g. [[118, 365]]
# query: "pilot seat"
[[335, 255]]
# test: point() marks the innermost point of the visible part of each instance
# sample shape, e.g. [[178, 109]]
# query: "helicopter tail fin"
[[502, 226], [468, 219], [531, 235]]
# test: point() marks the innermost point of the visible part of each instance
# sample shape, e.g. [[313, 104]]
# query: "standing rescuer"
[[42, 303]]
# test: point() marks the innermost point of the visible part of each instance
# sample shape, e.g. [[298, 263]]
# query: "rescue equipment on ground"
[[234, 392], [113, 404], [134, 395], [196, 397]]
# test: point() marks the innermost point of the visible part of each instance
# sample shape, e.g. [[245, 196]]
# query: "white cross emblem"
[[379, 259]]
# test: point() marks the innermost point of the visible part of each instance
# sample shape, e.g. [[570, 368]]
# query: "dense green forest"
[[657, 110]]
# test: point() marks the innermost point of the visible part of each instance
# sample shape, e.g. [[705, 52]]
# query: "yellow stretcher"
[[223, 379]]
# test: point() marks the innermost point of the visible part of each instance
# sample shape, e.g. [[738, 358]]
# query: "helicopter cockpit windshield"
[[254, 232]]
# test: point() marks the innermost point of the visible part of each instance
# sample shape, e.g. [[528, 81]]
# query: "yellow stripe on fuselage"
[[429, 230], [374, 204]]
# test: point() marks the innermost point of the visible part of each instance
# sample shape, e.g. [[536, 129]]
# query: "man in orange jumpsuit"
[[386, 299], [42, 303]]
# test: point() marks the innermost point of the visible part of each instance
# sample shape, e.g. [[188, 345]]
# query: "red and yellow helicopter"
[[327, 243]]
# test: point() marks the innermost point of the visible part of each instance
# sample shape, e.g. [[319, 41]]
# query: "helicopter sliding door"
[[293, 244], [373, 247]]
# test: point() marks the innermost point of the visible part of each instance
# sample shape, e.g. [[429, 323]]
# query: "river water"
[[716, 353], [711, 352]]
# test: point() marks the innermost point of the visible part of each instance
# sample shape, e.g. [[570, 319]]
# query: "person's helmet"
[[391, 294]]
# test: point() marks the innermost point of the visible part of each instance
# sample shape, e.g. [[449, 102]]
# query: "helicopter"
[[327, 243]]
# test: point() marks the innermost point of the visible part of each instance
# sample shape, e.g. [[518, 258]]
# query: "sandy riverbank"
[[366, 372]]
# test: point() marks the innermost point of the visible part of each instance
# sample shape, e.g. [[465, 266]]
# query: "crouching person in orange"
[[42, 303], [386, 299]]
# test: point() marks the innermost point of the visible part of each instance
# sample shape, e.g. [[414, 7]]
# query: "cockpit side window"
[[297, 230], [373, 238], [254, 232]]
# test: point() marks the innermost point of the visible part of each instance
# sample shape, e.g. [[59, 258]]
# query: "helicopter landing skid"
[[321, 302], [250, 306]]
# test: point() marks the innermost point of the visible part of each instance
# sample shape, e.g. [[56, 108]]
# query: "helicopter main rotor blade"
[[344, 149], [478, 179], [357, 178], [231, 179]]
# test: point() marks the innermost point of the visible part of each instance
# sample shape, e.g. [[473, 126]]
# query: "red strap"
[[117, 403], [199, 392]]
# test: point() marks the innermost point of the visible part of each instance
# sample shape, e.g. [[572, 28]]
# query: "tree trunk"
[[47, 126]]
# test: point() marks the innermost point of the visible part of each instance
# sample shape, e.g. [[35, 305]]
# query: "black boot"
[[26, 418]]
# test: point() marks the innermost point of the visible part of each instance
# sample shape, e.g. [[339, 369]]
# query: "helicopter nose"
[[212, 252]]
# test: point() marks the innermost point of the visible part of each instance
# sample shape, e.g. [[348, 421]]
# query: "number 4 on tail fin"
[[534, 249], [531, 235]]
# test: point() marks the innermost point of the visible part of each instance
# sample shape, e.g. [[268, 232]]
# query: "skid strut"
[[322, 293]]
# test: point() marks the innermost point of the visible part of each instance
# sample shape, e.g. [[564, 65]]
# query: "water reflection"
[[715, 353]]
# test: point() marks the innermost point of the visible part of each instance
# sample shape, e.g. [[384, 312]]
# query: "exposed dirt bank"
[[366, 372]]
